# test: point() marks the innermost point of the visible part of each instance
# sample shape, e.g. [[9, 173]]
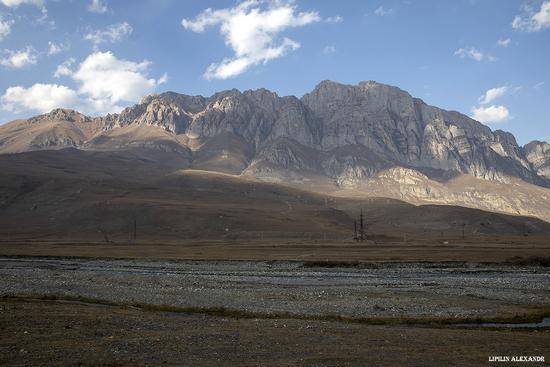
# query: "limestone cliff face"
[[346, 133], [406, 130], [171, 111], [258, 116], [406, 184], [537, 154]]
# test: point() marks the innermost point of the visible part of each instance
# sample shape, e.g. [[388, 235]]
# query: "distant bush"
[[332, 264], [530, 261]]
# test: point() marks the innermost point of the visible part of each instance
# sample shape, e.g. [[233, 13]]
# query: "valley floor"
[[135, 311], [490, 249]]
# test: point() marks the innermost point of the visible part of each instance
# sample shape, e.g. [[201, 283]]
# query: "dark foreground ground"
[[60, 333]]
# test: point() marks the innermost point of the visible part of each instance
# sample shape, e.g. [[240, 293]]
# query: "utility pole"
[[135, 227], [355, 230], [361, 228]]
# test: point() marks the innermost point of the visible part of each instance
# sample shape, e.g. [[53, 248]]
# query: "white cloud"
[[533, 21], [474, 54], [251, 30], [98, 6], [103, 76], [46, 20], [111, 34], [490, 114], [538, 85], [16, 3], [493, 94], [335, 19], [163, 79], [64, 69], [381, 11], [55, 48], [5, 28], [19, 59], [504, 42], [104, 84], [39, 98], [329, 50]]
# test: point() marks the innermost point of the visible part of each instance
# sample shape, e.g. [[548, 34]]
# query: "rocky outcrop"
[[407, 184], [404, 129], [537, 154], [170, 111], [61, 114]]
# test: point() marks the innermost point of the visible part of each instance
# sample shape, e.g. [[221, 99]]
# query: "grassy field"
[[46, 333], [480, 250]]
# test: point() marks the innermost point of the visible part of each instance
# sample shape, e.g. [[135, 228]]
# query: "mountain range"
[[350, 141]]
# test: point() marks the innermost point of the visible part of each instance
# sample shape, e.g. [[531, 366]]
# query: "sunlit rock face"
[[537, 154]]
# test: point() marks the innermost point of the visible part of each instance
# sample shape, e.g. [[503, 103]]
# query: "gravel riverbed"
[[443, 290]]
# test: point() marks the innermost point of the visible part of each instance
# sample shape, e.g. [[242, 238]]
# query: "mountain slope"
[[80, 195], [58, 129], [361, 140]]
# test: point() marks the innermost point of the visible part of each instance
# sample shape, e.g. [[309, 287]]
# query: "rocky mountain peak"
[[61, 114]]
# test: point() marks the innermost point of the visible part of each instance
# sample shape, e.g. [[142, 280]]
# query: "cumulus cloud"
[[16, 3], [104, 84], [533, 20], [493, 94], [5, 28], [98, 6], [18, 59], [251, 29], [112, 34], [504, 42], [64, 69], [381, 11], [490, 114], [40, 98], [103, 76], [55, 48], [473, 53], [163, 79]]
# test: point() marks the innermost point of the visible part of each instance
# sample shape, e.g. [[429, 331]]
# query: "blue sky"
[[485, 58]]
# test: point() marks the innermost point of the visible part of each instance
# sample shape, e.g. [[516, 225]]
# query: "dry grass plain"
[[473, 250], [64, 333]]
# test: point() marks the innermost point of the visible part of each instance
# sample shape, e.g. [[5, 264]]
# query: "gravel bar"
[[443, 290]]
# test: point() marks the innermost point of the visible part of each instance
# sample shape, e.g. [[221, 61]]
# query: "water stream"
[[545, 322]]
